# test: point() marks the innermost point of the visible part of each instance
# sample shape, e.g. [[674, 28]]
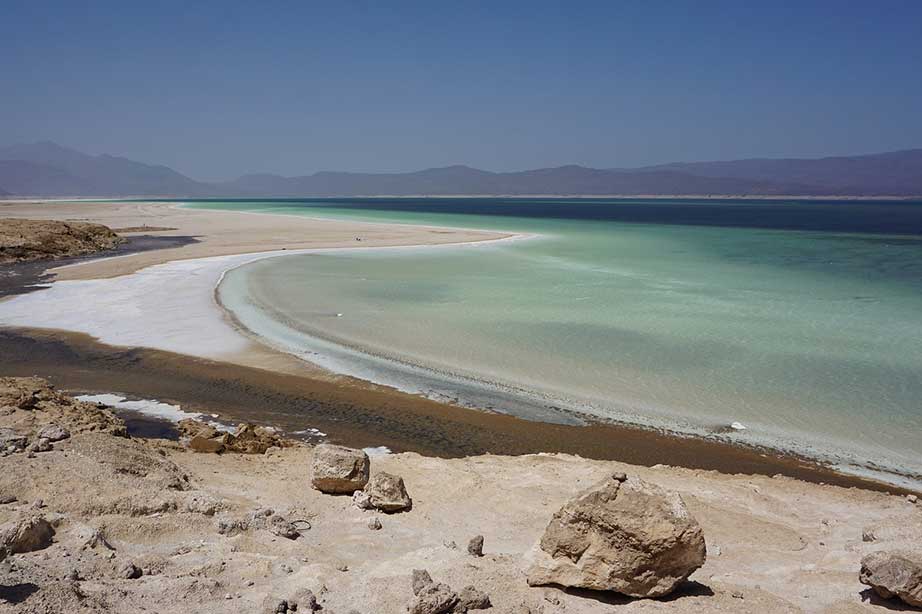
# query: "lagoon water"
[[801, 321]]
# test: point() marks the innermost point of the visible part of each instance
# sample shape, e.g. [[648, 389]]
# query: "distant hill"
[[897, 172], [57, 170], [47, 169]]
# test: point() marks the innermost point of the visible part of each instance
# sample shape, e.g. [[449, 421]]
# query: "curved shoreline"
[[246, 348], [483, 395]]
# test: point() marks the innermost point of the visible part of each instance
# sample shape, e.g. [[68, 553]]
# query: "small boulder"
[[434, 599], [53, 432], [203, 444], [475, 546], [26, 535], [40, 445], [387, 492], [374, 524], [472, 599], [626, 536], [303, 601], [338, 469], [894, 574], [11, 441]]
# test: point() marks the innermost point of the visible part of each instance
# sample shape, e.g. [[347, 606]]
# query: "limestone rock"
[[894, 574], [386, 492], [55, 414], [627, 536], [53, 432], [250, 439], [337, 469], [472, 599], [11, 441], [40, 445], [203, 444], [434, 599], [25, 535]]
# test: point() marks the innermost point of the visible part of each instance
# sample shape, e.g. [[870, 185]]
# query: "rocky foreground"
[[92, 520], [24, 240]]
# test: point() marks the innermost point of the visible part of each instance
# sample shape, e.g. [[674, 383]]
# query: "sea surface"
[[792, 324]]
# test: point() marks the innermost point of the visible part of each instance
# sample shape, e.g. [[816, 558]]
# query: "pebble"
[[374, 524], [912, 498]]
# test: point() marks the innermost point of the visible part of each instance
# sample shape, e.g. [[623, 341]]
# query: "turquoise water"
[[811, 339]]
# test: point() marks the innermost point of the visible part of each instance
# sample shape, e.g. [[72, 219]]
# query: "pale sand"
[[171, 290], [774, 545], [223, 233]]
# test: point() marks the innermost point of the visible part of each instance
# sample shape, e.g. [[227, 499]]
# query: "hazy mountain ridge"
[[47, 169]]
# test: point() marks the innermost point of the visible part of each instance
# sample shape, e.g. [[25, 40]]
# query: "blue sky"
[[215, 89]]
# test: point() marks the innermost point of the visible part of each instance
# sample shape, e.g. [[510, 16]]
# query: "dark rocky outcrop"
[[23, 240]]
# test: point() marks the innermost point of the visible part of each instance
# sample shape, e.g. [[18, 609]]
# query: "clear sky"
[[219, 88]]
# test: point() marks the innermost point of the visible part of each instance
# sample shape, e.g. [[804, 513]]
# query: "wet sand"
[[363, 415]]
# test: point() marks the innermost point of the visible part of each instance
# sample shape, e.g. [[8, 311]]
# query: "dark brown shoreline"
[[361, 414]]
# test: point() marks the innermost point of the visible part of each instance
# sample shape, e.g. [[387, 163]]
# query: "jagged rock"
[[25, 535], [91, 538], [337, 469], [53, 432], [41, 445], [421, 579], [265, 518], [472, 599], [361, 500], [190, 427], [434, 599], [894, 574], [51, 408], [386, 492], [250, 439], [11, 441], [475, 546], [626, 536], [129, 571]]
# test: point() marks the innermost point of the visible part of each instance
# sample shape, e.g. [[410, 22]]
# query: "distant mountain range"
[[48, 169]]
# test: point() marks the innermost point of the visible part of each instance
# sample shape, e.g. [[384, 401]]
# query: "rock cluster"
[[267, 519], [894, 574], [436, 598], [624, 535], [39, 416], [22, 240], [246, 439]]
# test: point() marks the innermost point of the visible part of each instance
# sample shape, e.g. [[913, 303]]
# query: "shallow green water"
[[811, 339]]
